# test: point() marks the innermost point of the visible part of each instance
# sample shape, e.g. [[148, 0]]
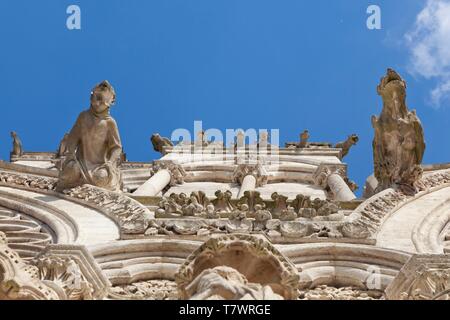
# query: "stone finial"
[[399, 144]]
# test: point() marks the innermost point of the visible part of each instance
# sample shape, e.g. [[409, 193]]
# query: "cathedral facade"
[[208, 220]]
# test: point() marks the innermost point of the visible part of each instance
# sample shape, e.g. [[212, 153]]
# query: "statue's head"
[[353, 139], [392, 86], [13, 134], [103, 97]]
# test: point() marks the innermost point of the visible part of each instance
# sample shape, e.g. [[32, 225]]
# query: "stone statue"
[[399, 145], [304, 136], [226, 283], [62, 149], [17, 145], [347, 144], [160, 142], [93, 147]]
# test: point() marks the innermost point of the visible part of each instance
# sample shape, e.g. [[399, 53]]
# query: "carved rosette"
[[177, 173], [255, 170]]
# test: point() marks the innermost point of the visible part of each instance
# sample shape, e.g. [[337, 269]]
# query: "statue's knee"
[[101, 177], [71, 171]]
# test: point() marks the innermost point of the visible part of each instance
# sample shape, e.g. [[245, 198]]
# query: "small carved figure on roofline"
[[17, 149]]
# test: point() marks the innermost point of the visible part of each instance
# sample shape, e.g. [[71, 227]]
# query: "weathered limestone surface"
[[215, 221], [399, 144], [94, 148]]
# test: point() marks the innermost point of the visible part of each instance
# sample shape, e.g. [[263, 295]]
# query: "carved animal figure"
[[399, 144], [17, 145], [160, 142], [347, 144]]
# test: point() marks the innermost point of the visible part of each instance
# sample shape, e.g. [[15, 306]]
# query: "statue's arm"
[[74, 137], [115, 144]]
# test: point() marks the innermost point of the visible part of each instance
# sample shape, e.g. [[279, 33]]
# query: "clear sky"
[[287, 65]]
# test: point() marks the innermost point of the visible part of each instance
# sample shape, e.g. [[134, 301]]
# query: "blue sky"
[[287, 65]]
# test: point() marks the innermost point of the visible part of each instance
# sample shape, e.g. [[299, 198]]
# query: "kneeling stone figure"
[[93, 146]]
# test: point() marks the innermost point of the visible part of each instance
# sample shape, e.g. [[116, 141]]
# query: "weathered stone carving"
[[131, 216], [226, 267], [66, 274], [280, 204], [146, 290], [17, 149], [423, 277], [370, 214], [257, 171], [399, 144], [324, 292], [62, 149], [159, 143], [19, 280], [93, 147], [433, 284], [28, 234], [29, 181], [222, 203], [251, 199], [225, 283], [177, 173], [347, 144]]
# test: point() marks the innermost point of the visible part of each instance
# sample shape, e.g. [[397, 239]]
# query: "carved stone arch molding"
[[253, 257], [423, 217]]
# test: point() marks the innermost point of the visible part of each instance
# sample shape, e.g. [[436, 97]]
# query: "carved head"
[[103, 97], [13, 134], [392, 85], [353, 139]]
